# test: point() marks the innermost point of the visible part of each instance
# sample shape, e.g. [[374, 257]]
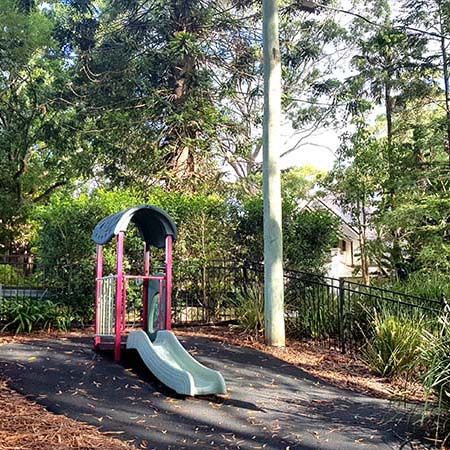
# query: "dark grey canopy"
[[153, 223]]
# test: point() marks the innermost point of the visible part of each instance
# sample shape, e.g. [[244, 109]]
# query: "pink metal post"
[[124, 303], [168, 282], [161, 324], [98, 290], [145, 286], [119, 296]]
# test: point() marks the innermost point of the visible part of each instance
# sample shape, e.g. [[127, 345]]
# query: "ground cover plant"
[[22, 314]]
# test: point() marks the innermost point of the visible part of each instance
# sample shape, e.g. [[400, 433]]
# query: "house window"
[[343, 245]]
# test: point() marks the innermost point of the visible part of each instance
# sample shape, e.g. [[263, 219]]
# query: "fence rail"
[[319, 307], [331, 310]]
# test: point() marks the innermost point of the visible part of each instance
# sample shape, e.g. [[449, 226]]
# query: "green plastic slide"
[[169, 361]]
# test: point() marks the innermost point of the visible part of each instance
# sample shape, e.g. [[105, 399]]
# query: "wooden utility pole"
[[273, 236]]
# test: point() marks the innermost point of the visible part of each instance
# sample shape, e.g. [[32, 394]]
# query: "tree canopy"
[[168, 95]]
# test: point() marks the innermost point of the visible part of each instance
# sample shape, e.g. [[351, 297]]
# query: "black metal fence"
[[327, 309], [206, 293], [341, 311], [19, 277], [319, 307]]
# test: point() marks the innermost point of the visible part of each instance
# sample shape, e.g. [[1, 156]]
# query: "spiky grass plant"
[[436, 357], [249, 304], [393, 346]]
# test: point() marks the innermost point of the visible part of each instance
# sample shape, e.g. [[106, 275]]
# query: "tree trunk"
[[362, 244], [182, 160], [273, 236], [396, 254], [389, 111], [446, 81]]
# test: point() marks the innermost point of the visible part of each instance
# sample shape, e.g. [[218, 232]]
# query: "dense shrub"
[[204, 222], [31, 314], [65, 250], [308, 239], [428, 285], [308, 235]]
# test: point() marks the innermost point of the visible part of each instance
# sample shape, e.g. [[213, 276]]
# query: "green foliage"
[[308, 239], [428, 285], [308, 235], [250, 228], [423, 220], [204, 224], [311, 310], [39, 150], [160, 107], [9, 275], [31, 314], [297, 182], [66, 253], [393, 347]]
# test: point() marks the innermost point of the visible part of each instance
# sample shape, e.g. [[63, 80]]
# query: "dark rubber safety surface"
[[271, 404]]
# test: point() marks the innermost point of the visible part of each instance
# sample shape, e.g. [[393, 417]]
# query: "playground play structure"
[[158, 347]]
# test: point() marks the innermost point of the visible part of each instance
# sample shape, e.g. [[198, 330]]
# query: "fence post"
[[445, 312], [341, 314]]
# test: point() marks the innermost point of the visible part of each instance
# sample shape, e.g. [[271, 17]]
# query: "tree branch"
[[49, 190]]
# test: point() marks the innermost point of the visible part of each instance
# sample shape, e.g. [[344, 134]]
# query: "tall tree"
[[433, 18], [39, 152], [150, 78], [356, 181], [180, 83], [392, 70]]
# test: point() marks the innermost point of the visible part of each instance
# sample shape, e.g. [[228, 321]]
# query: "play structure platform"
[[157, 346]]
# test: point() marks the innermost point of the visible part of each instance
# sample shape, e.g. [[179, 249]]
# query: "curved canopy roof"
[[153, 223]]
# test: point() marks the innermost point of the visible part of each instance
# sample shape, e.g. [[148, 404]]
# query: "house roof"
[[329, 204]]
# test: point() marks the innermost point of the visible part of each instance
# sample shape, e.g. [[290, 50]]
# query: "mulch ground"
[[26, 425]]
